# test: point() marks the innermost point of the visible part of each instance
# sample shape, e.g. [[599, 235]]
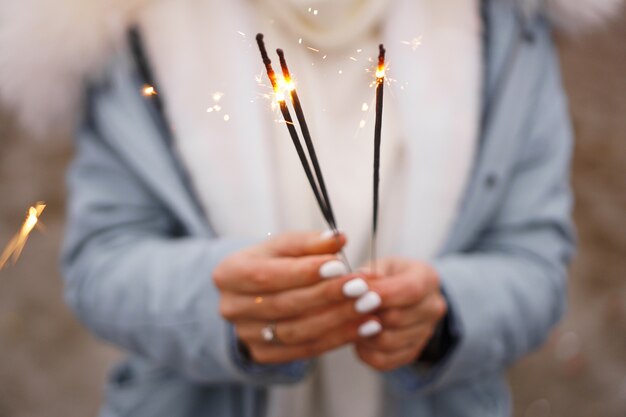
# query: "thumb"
[[303, 244]]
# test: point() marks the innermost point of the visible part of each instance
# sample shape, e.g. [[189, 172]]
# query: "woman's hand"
[[284, 281], [412, 305]]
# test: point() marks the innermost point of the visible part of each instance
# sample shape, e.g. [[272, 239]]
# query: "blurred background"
[[50, 366]]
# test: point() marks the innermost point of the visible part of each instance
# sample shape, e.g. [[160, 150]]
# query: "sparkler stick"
[[290, 126], [307, 136], [317, 182], [15, 246], [380, 82]]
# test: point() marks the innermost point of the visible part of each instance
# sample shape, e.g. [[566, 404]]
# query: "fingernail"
[[368, 302], [334, 268], [355, 288], [330, 234], [369, 328]]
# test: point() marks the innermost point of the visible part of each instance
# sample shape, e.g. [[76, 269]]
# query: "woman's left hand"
[[412, 305]]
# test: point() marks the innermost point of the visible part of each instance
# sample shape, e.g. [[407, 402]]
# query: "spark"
[[217, 96], [358, 51], [324, 57], [300, 41], [15, 246], [312, 49], [340, 72], [226, 117], [413, 43], [362, 124], [315, 12], [353, 58], [365, 107], [147, 90], [241, 33]]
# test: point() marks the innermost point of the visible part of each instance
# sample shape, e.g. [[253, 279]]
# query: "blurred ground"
[[581, 372], [51, 367]]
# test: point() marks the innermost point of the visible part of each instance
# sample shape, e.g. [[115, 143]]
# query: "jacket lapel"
[[508, 65]]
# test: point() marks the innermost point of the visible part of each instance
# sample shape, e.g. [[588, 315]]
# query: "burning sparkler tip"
[[15, 246]]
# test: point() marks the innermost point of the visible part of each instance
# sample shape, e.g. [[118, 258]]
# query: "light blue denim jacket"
[[139, 252]]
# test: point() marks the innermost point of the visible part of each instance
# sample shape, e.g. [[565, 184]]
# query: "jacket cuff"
[[433, 359], [280, 373]]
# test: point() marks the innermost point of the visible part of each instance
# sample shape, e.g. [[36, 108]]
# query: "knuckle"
[[441, 307], [416, 288], [226, 310], [287, 334], [385, 341], [259, 355], [330, 290], [284, 306], [392, 318], [378, 361], [219, 275], [260, 279]]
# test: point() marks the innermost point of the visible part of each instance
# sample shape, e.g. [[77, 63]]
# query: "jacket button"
[[491, 180]]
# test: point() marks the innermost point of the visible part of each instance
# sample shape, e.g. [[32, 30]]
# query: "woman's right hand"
[[284, 281]]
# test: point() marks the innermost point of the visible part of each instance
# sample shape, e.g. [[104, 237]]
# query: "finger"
[[265, 353], [303, 243], [407, 288], [399, 339], [302, 329], [387, 361], [385, 266], [431, 309], [260, 275], [290, 303]]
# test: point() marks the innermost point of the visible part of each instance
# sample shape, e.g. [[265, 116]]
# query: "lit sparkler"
[[380, 83], [15, 246]]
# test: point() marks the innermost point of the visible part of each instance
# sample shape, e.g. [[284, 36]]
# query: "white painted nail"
[[368, 302], [329, 234], [332, 269], [355, 288], [369, 328]]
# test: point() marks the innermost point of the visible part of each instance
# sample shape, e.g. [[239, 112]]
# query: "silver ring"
[[268, 333]]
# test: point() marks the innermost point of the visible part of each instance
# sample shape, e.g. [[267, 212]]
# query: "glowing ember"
[[148, 90], [14, 248], [380, 72]]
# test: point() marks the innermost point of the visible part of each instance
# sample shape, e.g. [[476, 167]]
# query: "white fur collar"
[[47, 48]]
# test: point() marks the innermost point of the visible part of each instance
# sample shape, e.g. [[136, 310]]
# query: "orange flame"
[[15, 246], [148, 90], [283, 87], [380, 72]]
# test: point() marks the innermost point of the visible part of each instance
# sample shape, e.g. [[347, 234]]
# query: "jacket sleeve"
[[137, 280], [508, 291]]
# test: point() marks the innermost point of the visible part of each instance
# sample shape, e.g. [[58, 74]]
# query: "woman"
[[173, 195]]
